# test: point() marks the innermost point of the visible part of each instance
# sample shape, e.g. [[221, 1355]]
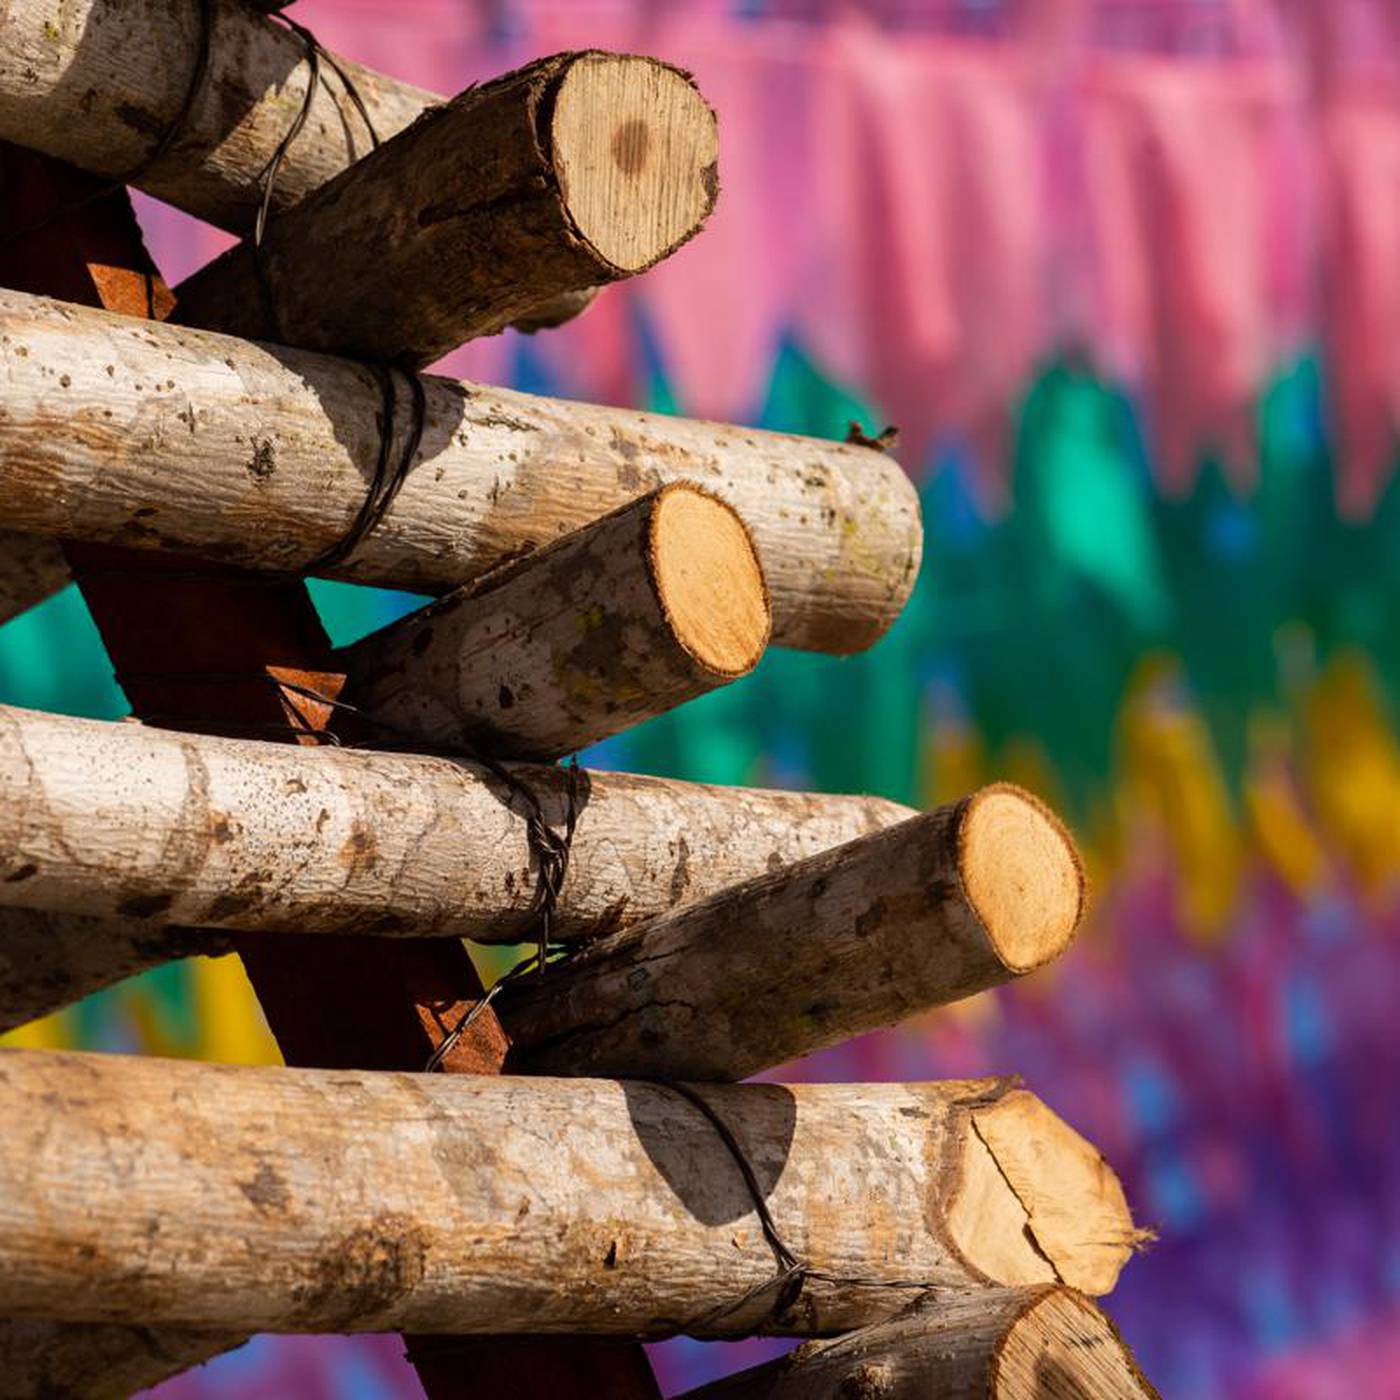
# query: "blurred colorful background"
[[1126, 275]]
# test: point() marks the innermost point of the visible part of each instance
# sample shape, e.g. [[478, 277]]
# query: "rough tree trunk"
[[652, 606], [941, 906], [573, 171], [155, 827], [299, 1200], [162, 437], [987, 1344]]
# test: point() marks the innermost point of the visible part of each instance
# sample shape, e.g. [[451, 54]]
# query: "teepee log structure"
[[987, 1344], [573, 171], [926, 912], [296, 1200], [245, 454], [654, 605], [124, 821], [600, 566], [374, 1006]]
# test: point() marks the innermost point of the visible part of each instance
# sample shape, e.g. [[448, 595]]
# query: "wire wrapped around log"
[[302, 1200], [125, 432]]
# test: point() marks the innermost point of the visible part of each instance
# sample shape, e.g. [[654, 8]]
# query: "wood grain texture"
[[1046, 1343], [294, 1200], [162, 437], [154, 827], [854, 938], [651, 606], [573, 171]]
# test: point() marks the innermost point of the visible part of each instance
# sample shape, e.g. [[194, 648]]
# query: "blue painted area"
[[1306, 1020]]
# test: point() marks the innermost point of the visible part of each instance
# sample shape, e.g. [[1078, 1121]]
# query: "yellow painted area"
[[48, 1033], [1174, 788], [231, 1026], [1352, 765]]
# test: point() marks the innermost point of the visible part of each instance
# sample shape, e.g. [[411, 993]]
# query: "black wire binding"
[[794, 1272], [550, 849]]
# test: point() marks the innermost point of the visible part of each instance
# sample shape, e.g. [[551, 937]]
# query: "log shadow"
[[688, 1152]]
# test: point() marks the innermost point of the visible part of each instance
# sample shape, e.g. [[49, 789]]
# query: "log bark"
[[96, 1361], [990, 1344], [48, 961], [96, 83], [295, 1200], [371, 1005], [32, 568], [574, 171], [649, 607], [927, 912], [99, 82], [162, 437], [121, 821]]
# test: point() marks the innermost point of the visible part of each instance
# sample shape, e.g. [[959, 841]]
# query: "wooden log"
[[202, 1196], [124, 821], [32, 568], [926, 912], [987, 1344], [162, 437], [576, 170], [48, 961], [651, 606], [94, 83], [97, 1361], [98, 83]]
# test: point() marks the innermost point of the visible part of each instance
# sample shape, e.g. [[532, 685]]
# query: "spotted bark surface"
[[162, 437], [299, 1200]]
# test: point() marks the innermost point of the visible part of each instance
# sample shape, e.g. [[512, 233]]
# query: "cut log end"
[[1037, 1203], [1022, 874], [708, 580], [1063, 1345], [642, 182]]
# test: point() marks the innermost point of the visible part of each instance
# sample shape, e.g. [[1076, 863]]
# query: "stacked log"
[[932, 910], [122, 821], [206, 1196], [1009, 1344], [654, 605], [599, 567], [161, 437], [576, 170]]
